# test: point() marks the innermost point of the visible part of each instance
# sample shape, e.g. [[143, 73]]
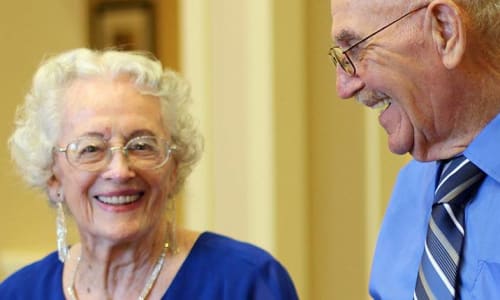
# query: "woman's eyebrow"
[[140, 132], [92, 134]]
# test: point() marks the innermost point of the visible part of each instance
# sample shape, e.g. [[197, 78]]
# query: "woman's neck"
[[116, 270]]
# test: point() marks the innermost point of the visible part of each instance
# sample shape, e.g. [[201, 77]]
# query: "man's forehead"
[[360, 4], [346, 19], [352, 19]]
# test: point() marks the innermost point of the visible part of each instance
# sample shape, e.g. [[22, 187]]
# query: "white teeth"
[[118, 199], [382, 105]]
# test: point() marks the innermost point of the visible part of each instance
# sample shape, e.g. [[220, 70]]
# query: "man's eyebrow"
[[346, 37]]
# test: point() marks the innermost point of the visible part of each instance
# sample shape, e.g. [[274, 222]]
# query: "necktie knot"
[[459, 178]]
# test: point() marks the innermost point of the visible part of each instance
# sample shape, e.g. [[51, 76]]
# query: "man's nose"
[[347, 85]]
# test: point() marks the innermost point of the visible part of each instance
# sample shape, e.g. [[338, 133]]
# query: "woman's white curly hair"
[[38, 120]]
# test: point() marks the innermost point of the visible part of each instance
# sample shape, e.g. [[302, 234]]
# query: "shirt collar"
[[484, 150]]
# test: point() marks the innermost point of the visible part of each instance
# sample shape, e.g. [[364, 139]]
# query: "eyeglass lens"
[[340, 58], [94, 153]]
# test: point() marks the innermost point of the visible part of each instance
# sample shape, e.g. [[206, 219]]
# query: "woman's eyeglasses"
[[95, 153]]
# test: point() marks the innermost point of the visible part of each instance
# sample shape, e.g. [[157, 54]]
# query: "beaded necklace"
[[145, 290]]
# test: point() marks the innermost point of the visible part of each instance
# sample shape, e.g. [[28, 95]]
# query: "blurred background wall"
[[287, 165]]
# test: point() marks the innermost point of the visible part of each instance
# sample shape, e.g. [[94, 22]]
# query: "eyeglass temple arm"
[[384, 27]]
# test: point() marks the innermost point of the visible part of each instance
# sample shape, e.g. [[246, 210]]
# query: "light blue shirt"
[[401, 240]]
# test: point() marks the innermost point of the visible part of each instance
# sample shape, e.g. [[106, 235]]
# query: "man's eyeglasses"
[[340, 57], [95, 153]]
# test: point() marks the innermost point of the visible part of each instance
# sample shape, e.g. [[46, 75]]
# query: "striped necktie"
[[438, 275]]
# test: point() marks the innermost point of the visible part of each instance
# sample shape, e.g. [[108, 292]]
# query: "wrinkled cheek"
[[157, 202], [88, 209], [81, 209]]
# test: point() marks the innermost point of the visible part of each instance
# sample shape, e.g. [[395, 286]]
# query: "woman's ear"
[[448, 31], [172, 177], [54, 189]]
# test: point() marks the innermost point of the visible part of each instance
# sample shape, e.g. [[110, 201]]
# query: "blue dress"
[[216, 268]]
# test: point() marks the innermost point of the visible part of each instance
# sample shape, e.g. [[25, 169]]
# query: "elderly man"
[[433, 67]]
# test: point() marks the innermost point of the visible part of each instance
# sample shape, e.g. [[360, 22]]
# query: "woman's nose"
[[347, 85], [118, 166]]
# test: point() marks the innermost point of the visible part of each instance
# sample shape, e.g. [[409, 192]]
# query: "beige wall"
[[287, 165], [29, 30], [249, 76]]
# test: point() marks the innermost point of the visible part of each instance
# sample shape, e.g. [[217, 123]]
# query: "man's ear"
[[448, 31]]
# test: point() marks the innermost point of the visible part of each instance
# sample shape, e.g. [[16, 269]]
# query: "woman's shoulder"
[[220, 267], [231, 249], [230, 253], [30, 281]]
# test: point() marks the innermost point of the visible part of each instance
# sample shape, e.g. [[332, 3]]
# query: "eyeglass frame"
[[335, 59], [123, 149]]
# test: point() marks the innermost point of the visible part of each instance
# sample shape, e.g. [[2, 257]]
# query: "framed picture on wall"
[[125, 25]]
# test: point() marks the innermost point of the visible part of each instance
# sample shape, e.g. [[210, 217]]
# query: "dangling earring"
[[171, 225], [62, 246]]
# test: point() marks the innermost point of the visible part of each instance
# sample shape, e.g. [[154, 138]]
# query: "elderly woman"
[[106, 135]]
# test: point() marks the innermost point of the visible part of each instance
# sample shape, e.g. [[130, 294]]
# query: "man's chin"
[[399, 151], [399, 147]]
